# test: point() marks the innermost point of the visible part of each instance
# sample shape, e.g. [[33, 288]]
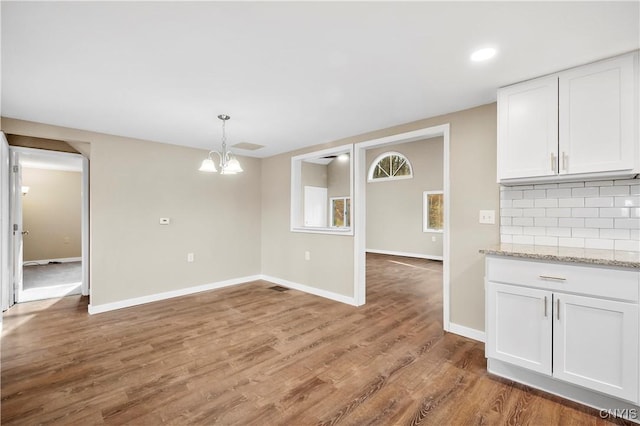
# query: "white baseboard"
[[609, 407], [311, 290], [471, 333], [105, 307], [401, 253], [61, 260]]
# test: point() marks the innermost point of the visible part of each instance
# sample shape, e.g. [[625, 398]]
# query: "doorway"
[[49, 215], [360, 212]]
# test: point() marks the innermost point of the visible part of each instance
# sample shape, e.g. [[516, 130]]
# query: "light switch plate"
[[488, 217]]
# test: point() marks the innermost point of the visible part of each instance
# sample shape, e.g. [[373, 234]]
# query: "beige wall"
[[473, 187], [51, 212], [132, 184], [331, 264], [394, 208], [240, 226], [338, 180]]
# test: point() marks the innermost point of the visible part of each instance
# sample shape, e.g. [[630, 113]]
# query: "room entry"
[[49, 224], [390, 165]]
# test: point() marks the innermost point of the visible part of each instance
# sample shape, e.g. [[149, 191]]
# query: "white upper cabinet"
[[576, 124], [528, 129], [596, 117]]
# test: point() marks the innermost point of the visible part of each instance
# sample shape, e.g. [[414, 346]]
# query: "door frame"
[[6, 293], [84, 188], [360, 203]]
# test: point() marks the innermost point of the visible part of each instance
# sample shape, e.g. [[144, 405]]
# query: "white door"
[[596, 344], [597, 116], [528, 129], [315, 206], [6, 260], [16, 219], [519, 326]]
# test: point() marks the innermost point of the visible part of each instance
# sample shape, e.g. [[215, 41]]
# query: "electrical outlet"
[[307, 255], [433, 238], [488, 217], [190, 257]]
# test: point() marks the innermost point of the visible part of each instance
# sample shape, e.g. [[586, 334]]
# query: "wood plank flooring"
[[249, 355]]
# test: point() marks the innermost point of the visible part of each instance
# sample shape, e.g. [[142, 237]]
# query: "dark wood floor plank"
[[249, 355]]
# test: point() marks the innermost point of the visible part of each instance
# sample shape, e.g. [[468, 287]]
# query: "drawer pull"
[[547, 277]]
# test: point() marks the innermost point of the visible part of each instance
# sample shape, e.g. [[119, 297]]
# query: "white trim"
[[468, 332], [560, 388], [295, 218], [400, 253], [379, 158], [359, 210], [85, 226], [61, 260], [6, 258], [425, 211], [105, 307], [311, 290]]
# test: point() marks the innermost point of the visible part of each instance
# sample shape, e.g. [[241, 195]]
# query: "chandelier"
[[228, 164]]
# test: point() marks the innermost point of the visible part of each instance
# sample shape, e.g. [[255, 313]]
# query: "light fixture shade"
[[233, 166], [208, 166]]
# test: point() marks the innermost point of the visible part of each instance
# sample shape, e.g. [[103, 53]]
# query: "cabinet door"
[[528, 129], [519, 326], [596, 116], [596, 344]]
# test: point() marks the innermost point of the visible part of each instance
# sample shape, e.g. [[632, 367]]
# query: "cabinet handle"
[[545, 306], [558, 308], [548, 277], [564, 161], [554, 163]]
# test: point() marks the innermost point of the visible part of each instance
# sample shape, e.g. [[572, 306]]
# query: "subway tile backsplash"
[[599, 214]]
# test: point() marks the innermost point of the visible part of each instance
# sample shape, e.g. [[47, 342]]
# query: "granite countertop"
[[626, 259]]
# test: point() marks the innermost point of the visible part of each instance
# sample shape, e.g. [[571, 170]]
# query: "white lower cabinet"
[[520, 326], [537, 321], [595, 344]]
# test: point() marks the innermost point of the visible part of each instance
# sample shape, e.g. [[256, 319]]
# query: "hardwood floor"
[[249, 355]]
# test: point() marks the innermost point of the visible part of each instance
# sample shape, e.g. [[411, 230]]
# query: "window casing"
[[390, 165], [433, 211], [340, 212]]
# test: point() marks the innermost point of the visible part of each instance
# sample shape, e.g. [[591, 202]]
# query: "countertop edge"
[[562, 258]]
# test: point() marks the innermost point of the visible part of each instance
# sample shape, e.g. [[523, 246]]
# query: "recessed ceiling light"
[[483, 54]]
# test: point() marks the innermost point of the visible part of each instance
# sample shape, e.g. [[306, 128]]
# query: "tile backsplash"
[[597, 214]]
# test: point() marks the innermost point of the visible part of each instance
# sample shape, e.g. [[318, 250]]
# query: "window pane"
[[404, 170], [338, 212], [383, 169], [389, 166], [435, 206]]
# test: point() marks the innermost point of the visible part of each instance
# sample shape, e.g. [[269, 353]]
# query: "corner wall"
[[52, 213], [132, 184], [473, 187], [395, 207]]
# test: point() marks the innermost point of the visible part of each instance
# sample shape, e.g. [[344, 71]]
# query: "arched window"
[[390, 165]]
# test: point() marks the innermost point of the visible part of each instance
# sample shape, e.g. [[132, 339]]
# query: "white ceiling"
[[289, 74]]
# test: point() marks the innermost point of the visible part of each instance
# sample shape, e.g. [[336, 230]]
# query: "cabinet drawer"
[[588, 280]]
